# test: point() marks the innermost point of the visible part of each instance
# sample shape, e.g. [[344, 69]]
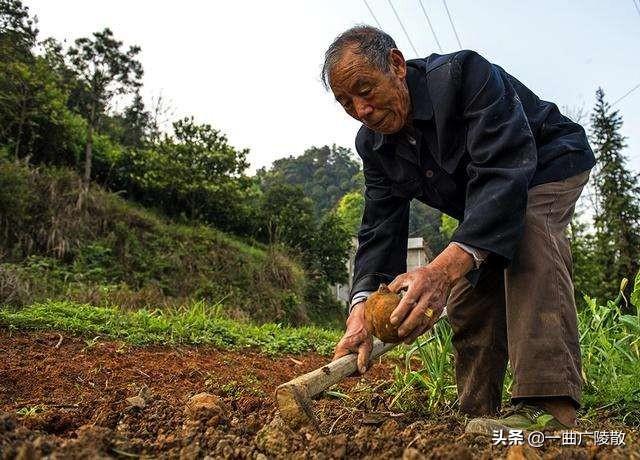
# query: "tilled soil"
[[67, 397]]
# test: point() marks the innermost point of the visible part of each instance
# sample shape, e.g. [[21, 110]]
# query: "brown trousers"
[[525, 313]]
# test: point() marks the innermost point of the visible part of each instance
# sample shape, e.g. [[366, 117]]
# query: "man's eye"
[[365, 91]]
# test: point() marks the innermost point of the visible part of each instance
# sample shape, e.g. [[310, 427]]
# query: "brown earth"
[[67, 397]]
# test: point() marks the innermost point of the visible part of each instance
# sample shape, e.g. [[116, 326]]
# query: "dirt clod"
[[412, 454], [7, 423], [522, 452], [205, 406], [275, 437], [136, 401], [26, 452]]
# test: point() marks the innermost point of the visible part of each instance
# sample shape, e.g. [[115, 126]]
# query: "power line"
[[451, 21], [403, 29], [374, 16], [625, 94], [635, 3], [430, 26]]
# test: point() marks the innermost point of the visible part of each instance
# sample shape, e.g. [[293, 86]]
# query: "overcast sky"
[[251, 68]]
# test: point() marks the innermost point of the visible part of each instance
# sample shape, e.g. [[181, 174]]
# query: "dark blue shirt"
[[478, 140]]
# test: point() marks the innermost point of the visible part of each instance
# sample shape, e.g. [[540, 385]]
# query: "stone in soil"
[[206, 407]]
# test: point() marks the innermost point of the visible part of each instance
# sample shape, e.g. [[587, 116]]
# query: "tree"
[[324, 173], [330, 249], [34, 119], [617, 218], [134, 127], [193, 173], [321, 244], [350, 209], [448, 226], [586, 271], [103, 71], [287, 216], [18, 32], [32, 105], [424, 221], [18, 36]]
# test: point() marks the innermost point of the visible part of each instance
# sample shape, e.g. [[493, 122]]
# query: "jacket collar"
[[421, 107]]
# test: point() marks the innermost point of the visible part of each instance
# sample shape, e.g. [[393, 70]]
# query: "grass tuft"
[[196, 324], [610, 344]]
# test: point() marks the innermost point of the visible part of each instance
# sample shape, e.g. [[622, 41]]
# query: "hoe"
[[294, 397]]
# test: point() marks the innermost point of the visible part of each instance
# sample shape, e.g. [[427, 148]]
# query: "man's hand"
[[427, 291], [356, 339], [422, 304]]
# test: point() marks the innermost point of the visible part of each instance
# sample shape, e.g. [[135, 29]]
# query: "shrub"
[[106, 251]]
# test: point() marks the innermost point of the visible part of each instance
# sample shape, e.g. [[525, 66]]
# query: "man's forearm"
[[454, 262], [479, 255]]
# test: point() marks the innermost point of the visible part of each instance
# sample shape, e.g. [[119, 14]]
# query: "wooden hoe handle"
[[294, 397]]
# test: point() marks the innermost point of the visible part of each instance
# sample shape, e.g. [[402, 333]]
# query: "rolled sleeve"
[[503, 160], [359, 297]]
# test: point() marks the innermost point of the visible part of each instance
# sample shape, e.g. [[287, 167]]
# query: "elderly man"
[[463, 136]]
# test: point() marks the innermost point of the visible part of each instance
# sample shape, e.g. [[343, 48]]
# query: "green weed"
[[610, 344], [432, 384], [249, 385], [31, 411], [198, 323]]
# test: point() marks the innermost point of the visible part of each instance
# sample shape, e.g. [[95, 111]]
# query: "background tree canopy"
[[616, 243], [332, 178], [324, 173]]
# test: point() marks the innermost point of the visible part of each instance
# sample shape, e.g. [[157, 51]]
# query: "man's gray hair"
[[370, 42]]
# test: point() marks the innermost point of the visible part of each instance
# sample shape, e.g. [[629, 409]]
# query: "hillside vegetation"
[[74, 113], [56, 243]]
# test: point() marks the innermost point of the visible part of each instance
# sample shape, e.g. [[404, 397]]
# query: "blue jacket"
[[480, 140]]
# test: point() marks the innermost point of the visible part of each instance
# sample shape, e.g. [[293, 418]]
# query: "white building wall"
[[417, 256]]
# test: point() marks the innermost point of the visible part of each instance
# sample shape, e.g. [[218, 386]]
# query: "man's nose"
[[363, 108]]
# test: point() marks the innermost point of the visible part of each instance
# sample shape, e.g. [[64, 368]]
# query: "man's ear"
[[398, 64]]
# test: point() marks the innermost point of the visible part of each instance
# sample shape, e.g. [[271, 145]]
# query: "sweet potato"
[[377, 311]]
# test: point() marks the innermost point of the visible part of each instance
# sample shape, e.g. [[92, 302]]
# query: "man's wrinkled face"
[[380, 100]]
